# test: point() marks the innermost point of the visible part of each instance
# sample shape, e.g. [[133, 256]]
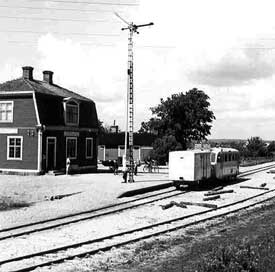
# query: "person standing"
[[125, 175], [115, 167], [136, 168]]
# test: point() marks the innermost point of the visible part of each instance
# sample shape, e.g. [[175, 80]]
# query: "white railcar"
[[191, 166], [196, 166]]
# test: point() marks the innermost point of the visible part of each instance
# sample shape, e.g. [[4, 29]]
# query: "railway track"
[[42, 225], [87, 215], [56, 255], [48, 224], [254, 171]]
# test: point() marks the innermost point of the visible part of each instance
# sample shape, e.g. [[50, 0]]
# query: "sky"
[[225, 48]]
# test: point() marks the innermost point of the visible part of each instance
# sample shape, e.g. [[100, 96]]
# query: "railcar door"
[[220, 164]]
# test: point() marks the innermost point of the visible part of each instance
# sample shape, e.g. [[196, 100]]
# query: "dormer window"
[[6, 111], [71, 112]]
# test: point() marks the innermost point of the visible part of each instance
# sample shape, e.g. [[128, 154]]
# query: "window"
[[6, 111], [71, 147], [89, 148], [72, 112], [14, 148], [213, 157]]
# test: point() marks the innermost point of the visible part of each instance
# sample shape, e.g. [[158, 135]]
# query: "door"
[[51, 153], [204, 165]]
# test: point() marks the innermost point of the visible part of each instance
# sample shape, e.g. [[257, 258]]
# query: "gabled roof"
[[23, 85]]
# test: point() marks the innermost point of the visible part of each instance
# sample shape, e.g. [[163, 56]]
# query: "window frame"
[[92, 147], [12, 106], [66, 106], [71, 138], [8, 148]]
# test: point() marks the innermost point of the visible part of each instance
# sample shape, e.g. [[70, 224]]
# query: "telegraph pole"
[[130, 97]]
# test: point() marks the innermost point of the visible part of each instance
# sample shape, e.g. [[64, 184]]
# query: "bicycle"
[[147, 168], [152, 167]]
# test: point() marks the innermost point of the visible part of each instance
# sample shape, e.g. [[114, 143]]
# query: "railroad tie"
[[211, 197], [173, 203], [206, 205], [219, 192], [254, 187], [217, 188]]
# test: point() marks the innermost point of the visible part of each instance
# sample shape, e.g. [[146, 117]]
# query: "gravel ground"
[[85, 192], [176, 251], [126, 220], [88, 191]]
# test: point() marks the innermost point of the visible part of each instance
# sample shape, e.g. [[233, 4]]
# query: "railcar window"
[[213, 157], [229, 157], [225, 157], [219, 158]]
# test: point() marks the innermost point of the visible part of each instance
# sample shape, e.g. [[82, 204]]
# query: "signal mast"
[[130, 97]]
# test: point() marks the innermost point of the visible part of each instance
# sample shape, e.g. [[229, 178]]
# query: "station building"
[[43, 124]]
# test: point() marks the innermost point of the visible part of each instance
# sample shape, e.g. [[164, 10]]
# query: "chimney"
[[27, 72], [48, 77]]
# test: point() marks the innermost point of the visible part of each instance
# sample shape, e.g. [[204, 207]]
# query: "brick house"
[[43, 124]]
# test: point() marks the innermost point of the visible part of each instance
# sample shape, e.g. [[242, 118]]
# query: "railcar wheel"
[[176, 184]]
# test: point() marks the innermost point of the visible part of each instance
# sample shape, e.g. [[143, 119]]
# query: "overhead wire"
[[32, 32], [96, 44], [87, 2], [61, 33], [34, 43], [55, 9], [53, 19]]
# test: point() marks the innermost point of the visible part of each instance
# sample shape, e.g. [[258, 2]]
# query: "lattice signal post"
[[130, 96]]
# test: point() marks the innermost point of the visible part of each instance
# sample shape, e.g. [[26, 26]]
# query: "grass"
[[247, 245], [253, 255], [244, 242], [9, 203]]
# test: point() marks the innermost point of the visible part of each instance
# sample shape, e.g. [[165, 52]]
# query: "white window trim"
[[12, 105], [65, 111], [92, 147], [71, 138], [8, 148]]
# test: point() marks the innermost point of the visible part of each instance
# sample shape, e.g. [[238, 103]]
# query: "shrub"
[[7, 203]]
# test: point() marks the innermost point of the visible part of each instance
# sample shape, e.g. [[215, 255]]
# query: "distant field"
[[255, 161]]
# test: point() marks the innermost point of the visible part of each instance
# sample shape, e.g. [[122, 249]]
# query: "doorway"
[[51, 153]]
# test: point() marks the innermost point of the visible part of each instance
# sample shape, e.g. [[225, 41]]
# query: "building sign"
[[71, 133], [8, 130]]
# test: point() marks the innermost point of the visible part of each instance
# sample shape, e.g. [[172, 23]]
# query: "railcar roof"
[[191, 151], [223, 149]]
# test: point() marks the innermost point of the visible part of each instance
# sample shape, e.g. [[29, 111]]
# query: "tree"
[[186, 117], [162, 146], [256, 147], [240, 145], [102, 128], [271, 149]]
